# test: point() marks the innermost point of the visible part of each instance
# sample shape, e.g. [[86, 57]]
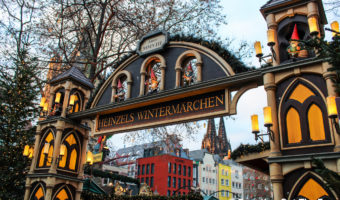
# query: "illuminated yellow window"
[[48, 139], [70, 159], [312, 190], [293, 126], [62, 195], [75, 102], [301, 93], [39, 194], [315, 122]]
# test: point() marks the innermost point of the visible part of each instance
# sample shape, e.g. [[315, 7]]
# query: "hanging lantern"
[[26, 150], [258, 49], [313, 26], [72, 99], [89, 158], [45, 107], [46, 148], [62, 150], [57, 97], [335, 27], [42, 101], [271, 37], [254, 124], [331, 107], [267, 113]]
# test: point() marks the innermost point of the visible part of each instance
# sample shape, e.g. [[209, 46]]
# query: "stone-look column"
[[276, 176], [50, 101], [48, 194], [128, 94], [162, 86], [79, 191], [56, 149], [66, 99], [27, 189], [199, 71], [275, 171], [36, 149], [142, 83], [114, 92], [272, 24], [270, 87], [178, 76], [331, 90], [83, 155]]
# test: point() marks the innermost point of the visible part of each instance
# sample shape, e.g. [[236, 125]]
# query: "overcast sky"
[[245, 22]]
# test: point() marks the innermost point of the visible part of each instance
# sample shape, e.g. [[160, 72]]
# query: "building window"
[[189, 171], [152, 168], [174, 182], [151, 181], [179, 183], [184, 182], [209, 180], [203, 179], [203, 168], [222, 181], [147, 168], [179, 169], [189, 183], [227, 182], [143, 169], [169, 181], [184, 170], [213, 181], [147, 180], [233, 184], [168, 193], [222, 171], [227, 193], [142, 180], [222, 193], [169, 167], [175, 166]]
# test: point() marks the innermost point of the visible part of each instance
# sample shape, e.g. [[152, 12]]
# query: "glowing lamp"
[[26, 150], [57, 97], [89, 158], [254, 124], [42, 101], [258, 49], [62, 150], [45, 107], [31, 150], [267, 113], [335, 27], [313, 26], [271, 37], [331, 107], [72, 99], [229, 154], [46, 148]]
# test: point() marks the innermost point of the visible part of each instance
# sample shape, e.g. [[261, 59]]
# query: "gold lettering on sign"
[[199, 105], [152, 43]]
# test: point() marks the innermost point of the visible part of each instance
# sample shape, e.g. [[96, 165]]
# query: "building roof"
[[75, 74], [197, 155]]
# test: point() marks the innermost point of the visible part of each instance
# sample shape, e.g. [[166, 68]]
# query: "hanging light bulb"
[[26, 150], [255, 124], [331, 107], [267, 113], [335, 27], [89, 158], [72, 99], [258, 49], [42, 101], [57, 97], [45, 107]]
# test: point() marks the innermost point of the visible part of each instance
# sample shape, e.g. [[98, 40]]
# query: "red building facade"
[[166, 174]]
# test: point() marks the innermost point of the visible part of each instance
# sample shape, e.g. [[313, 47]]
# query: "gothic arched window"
[[304, 116], [45, 155], [70, 159], [189, 72], [76, 101]]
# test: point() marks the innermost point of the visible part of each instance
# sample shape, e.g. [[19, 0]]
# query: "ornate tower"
[[224, 144], [209, 141], [60, 145]]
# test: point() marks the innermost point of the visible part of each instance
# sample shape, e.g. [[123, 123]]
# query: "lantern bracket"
[[336, 125], [270, 133]]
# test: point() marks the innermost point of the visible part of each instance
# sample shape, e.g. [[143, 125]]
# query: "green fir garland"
[[245, 149]]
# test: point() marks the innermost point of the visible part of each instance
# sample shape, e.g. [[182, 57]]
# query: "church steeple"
[[223, 140], [209, 140]]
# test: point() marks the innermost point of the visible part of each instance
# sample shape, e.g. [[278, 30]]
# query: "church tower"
[[224, 143], [60, 146], [209, 141]]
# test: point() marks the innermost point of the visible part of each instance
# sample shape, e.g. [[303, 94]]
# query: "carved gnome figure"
[[120, 95], [154, 83], [188, 75], [295, 48]]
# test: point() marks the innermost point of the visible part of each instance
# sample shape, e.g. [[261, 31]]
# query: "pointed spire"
[[295, 35], [209, 141], [222, 135], [119, 84]]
